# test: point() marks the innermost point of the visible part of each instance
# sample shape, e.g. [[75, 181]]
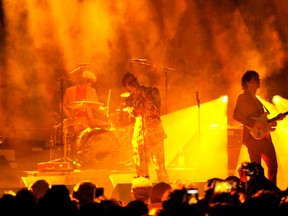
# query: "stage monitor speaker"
[[122, 192], [52, 179]]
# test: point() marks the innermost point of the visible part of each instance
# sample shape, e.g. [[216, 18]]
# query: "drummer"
[[80, 102]]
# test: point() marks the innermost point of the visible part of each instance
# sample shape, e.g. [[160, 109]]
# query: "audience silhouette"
[[249, 194]]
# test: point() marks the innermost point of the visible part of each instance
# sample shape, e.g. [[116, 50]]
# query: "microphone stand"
[[145, 147], [63, 133], [166, 90], [166, 69], [199, 130], [143, 137], [63, 157], [198, 104]]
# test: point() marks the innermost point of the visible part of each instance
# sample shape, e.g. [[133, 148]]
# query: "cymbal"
[[125, 94], [81, 104]]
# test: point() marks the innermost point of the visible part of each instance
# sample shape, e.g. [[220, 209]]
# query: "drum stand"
[[64, 161], [66, 149], [53, 139]]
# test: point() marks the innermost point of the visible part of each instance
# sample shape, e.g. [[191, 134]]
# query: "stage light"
[[224, 99], [276, 99]]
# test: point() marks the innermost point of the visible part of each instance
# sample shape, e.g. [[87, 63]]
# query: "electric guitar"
[[259, 131]]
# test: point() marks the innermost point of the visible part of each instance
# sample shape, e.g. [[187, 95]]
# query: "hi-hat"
[[81, 104]]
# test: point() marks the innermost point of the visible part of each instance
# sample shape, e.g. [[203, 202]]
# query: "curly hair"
[[88, 76]]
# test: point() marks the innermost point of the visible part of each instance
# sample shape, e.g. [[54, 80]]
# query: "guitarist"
[[248, 107]]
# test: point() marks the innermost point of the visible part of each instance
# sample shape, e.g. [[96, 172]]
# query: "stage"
[[116, 183], [21, 160]]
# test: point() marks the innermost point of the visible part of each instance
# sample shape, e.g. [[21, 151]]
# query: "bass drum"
[[97, 148]]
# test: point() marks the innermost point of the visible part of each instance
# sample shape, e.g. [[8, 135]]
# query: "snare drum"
[[96, 144]]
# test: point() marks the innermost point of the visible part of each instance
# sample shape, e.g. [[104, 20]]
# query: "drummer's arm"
[[90, 113], [91, 96]]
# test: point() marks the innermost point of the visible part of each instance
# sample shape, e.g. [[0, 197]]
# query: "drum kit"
[[94, 143]]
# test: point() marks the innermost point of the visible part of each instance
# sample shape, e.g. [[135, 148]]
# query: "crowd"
[[231, 196]]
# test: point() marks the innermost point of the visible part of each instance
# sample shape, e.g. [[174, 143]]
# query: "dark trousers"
[[264, 149]]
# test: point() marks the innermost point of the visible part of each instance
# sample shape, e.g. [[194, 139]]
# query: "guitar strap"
[[264, 107]]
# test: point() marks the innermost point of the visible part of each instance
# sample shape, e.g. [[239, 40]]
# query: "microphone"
[[139, 60], [83, 64]]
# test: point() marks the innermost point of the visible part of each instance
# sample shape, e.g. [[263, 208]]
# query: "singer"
[[149, 135]]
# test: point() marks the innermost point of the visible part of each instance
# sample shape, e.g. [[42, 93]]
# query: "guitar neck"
[[276, 118]]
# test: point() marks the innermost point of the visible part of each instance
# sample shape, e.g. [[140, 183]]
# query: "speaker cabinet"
[[122, 192]]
